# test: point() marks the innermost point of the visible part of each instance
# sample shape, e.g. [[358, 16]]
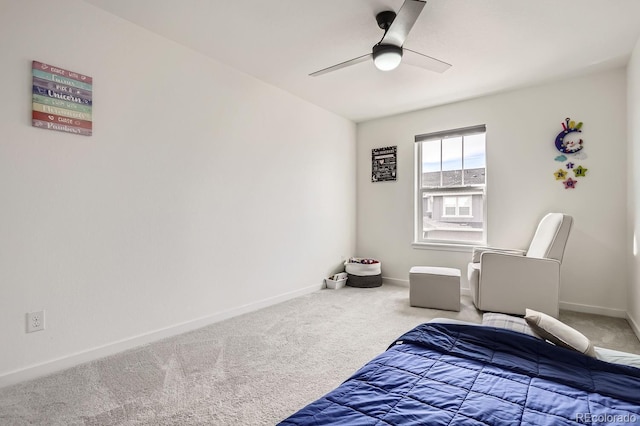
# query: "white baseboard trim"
[[63, 363], [597, 310], [634, 325], [395, 281], [405, 283]]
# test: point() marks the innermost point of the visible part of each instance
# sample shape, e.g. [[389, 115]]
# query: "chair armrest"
[[477, 252], [511, 283]]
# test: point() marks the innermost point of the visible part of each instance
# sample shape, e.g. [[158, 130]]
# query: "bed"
[[452, 374]]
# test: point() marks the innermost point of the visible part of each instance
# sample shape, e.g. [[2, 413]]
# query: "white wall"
[[521, 128], [633, 104], [202, 193]]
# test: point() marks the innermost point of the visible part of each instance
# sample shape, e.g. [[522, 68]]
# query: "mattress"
[[603, 354], [445, 374]]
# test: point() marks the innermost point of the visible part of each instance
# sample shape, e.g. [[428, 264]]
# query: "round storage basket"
[[363, 272]]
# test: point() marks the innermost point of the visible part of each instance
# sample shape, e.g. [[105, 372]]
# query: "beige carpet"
[[255, 369]]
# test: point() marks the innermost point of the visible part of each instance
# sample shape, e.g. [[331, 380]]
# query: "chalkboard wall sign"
[[383, 164], [62, 100]]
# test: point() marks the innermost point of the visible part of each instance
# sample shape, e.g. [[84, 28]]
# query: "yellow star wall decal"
[[560, 174]]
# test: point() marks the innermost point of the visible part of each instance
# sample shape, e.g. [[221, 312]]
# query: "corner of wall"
[[633, 196], [634, 325]]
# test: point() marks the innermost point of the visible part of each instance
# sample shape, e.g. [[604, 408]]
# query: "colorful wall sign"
[[62, 100]]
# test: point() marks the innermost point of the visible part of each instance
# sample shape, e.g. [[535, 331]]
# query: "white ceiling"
[[494, 45]]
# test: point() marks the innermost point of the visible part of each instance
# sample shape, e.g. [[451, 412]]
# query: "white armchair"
[[509, 281]]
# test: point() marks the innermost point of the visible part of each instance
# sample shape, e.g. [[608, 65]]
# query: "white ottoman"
[[434, 287]]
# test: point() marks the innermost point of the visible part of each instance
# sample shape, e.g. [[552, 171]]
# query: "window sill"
[[459, 247]]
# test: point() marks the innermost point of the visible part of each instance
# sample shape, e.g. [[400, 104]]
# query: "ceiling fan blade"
[[342, 65], [402, 24], [423, 61]]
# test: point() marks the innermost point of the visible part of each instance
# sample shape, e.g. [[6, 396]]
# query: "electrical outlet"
[[35, 321]]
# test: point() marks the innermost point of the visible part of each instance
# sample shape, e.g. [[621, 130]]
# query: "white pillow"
[[559, 333], [509, 322], [617, 357]]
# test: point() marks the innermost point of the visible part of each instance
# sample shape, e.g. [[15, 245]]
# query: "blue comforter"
[[450, 374]]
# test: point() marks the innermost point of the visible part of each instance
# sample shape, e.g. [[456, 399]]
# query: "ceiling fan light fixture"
[[387, 57]]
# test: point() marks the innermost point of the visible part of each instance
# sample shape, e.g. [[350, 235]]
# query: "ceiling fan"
[[389, 52]]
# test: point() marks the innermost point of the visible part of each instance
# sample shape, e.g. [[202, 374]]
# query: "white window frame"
[[462, 190]]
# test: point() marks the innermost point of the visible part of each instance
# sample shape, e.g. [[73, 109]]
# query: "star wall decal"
[[570, 183], [570, 165], [580, 171], [560, 174]]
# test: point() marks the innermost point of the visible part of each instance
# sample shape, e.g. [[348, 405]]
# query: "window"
[[459, 206], [451, 183]]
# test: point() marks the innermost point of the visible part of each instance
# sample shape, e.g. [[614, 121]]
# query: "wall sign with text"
[[62, 100], [384, 164]]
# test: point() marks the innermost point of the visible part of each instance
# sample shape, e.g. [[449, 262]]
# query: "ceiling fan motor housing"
[[386, 57], [385, 19]]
